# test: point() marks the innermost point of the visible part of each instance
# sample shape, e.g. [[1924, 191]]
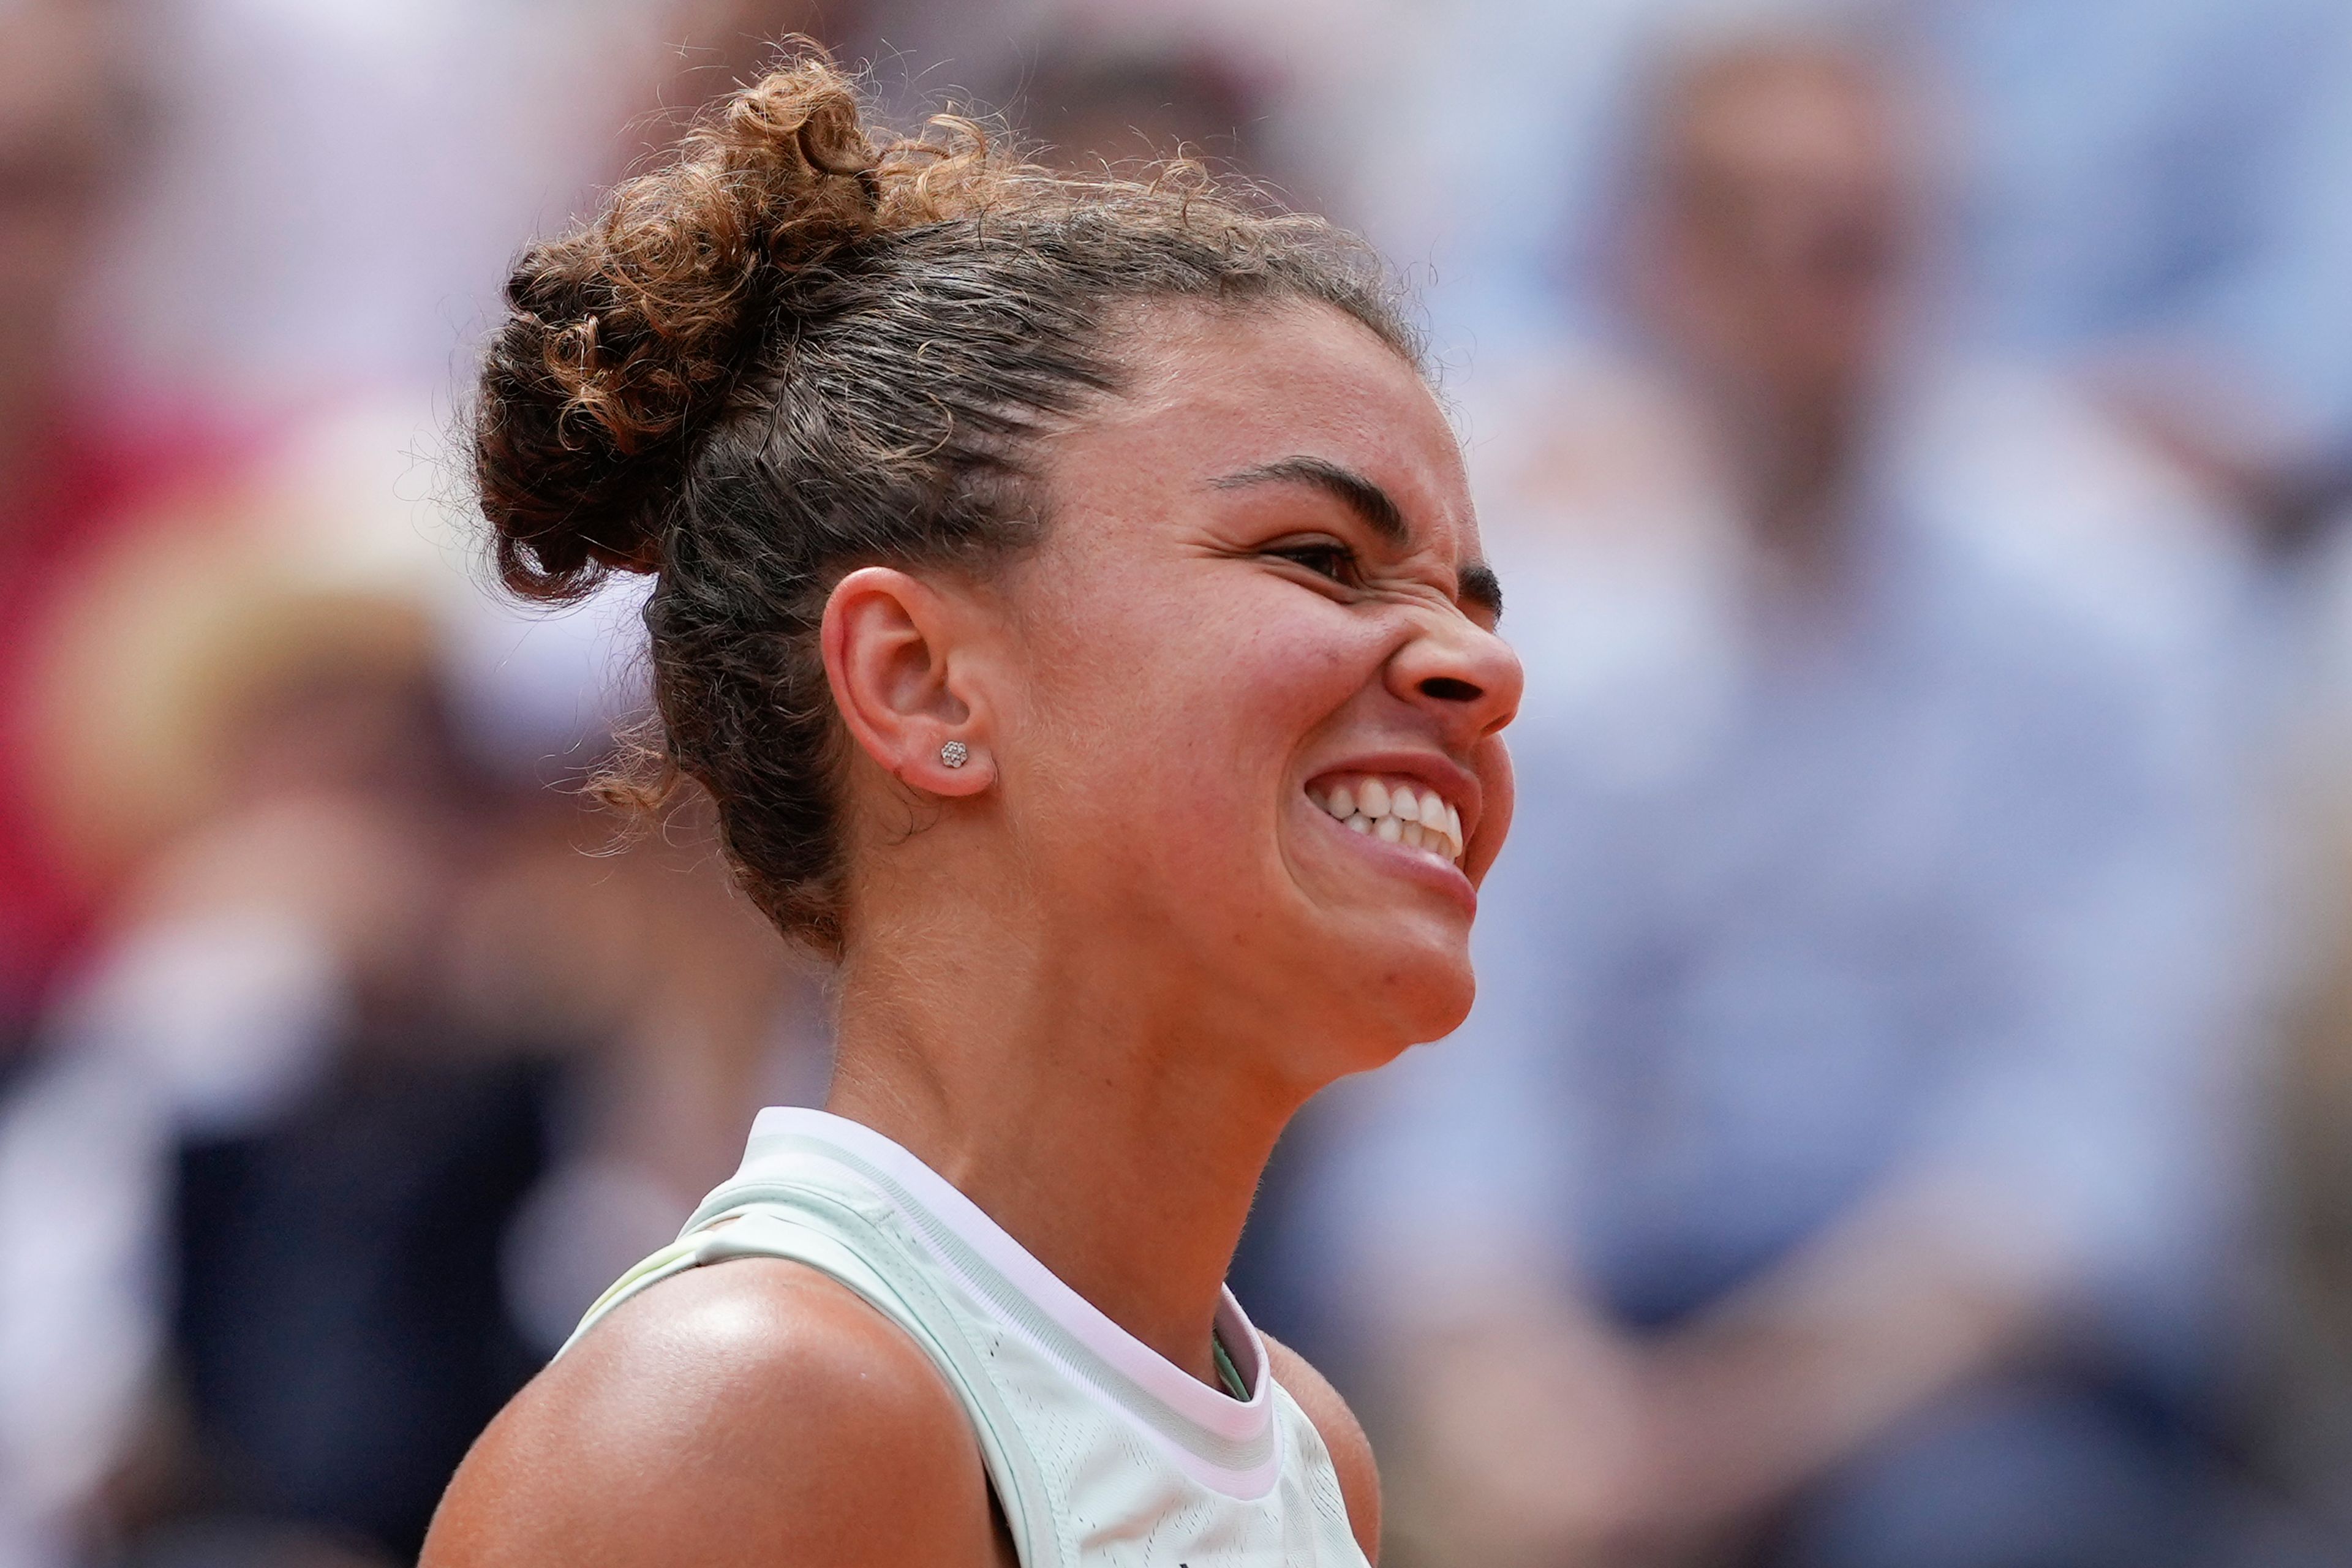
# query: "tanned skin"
[[1091, 976], [791, 1398]]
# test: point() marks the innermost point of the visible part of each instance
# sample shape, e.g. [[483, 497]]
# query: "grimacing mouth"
[[1394, 810]]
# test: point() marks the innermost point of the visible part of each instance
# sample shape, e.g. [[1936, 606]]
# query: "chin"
[[1421, 996], [1443, 1009]]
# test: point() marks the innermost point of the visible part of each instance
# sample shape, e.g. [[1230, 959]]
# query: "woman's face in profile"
[[1256, 732]]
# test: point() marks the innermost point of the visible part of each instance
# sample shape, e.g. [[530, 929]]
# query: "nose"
[[1464, 675]]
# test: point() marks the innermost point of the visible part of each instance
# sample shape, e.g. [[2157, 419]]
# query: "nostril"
[[1445, 688]]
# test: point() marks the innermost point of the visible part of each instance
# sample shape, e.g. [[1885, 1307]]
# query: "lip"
[[1457, 784], [1397, 859]]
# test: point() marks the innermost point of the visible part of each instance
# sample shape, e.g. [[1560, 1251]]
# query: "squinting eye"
[[1324, 558]]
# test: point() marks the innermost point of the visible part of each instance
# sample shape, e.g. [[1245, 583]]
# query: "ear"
[[890, 657]]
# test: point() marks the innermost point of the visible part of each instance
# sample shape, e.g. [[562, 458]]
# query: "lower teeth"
[[1396, 830]]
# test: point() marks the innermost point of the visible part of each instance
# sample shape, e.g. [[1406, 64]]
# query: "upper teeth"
[[1397, 810]]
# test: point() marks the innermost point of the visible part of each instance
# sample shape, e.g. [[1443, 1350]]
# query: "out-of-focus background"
[[1908, 1120]]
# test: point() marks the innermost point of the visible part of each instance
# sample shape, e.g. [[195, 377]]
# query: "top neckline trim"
[[1214, 1410]]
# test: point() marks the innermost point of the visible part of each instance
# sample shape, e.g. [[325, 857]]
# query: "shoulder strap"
[[833, 1238]]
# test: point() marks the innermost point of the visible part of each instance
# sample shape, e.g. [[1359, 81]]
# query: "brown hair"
[[793, 351]]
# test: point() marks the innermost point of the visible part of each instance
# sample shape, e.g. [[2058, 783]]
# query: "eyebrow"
[[1483, 588], [1374, 506]]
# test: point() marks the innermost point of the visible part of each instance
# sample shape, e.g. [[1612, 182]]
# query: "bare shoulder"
[[751, 1412], [1342, 1434]]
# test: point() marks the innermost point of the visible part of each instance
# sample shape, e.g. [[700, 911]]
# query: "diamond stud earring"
[[955, 754]]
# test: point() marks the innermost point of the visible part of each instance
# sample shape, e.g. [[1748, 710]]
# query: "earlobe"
[[890, 657]]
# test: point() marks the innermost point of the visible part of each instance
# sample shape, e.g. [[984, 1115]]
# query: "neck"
[[1097, 1120]]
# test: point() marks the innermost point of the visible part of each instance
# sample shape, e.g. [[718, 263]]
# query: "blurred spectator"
[[364, 1013], [337, 1318], [511, 1106], [76, 464], [2146, 200], [1841, 1161], [376, 1083], [346, 183], [362, 1080], [1093, 107], [1272, 95], [82, 464], [2156, 195]]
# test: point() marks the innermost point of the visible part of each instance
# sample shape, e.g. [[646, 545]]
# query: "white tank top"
[[1102, 1453]]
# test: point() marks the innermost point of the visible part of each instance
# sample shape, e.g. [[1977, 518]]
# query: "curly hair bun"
[[798, 348], [624, 334]]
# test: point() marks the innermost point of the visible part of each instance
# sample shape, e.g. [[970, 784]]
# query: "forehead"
[[1213, 391]]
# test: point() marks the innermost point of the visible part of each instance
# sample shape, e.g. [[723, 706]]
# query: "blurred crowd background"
[[1907, 1119]]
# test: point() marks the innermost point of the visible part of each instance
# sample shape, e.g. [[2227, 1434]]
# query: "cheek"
[[1189, 713], [1237, 661], [1259, 687], [1498, 789]]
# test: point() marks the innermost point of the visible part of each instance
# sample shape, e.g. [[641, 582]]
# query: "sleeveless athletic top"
[[1102, 1453]]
